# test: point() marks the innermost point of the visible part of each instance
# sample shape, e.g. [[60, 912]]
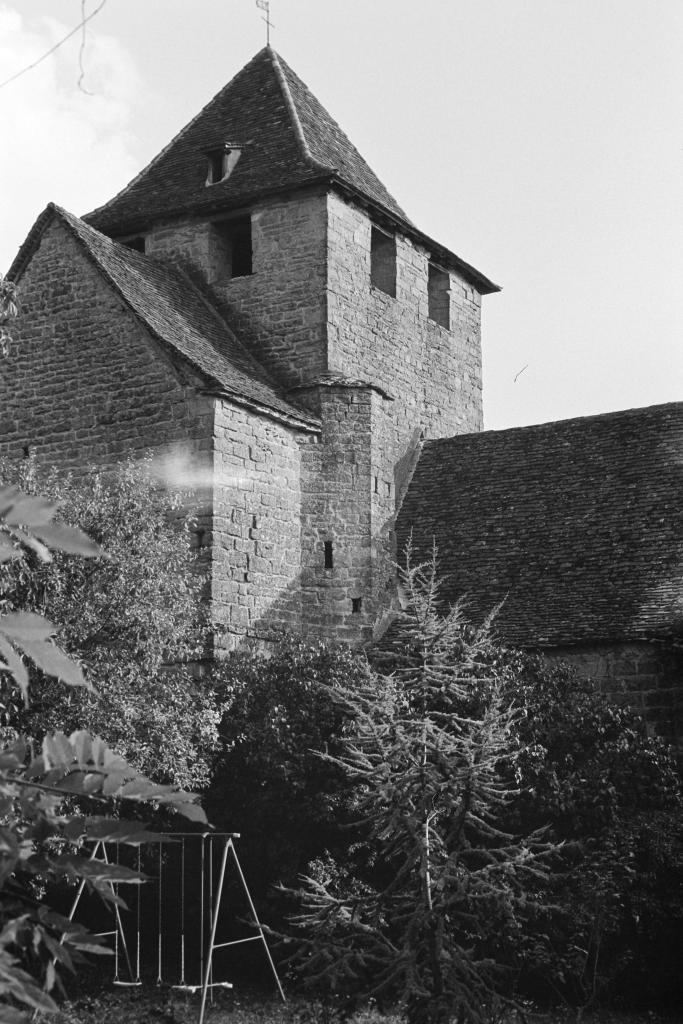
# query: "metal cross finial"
[[264, 5]]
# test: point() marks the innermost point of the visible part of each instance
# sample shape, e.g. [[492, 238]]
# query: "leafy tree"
[[39, 841], [431, 752], [611, 795], [130, 616], [268, 781]]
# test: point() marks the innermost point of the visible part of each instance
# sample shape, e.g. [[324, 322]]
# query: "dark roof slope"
[[174, 310], [288, 140], [577, 524]]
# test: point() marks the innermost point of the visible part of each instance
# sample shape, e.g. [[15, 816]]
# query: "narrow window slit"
[[383, 261], [329, 557], [356, 605], [439, 295]]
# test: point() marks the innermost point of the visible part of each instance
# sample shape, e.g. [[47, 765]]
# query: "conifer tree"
[[443, 895]]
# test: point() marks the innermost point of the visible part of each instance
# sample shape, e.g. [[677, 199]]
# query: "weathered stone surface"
[[84, 382]]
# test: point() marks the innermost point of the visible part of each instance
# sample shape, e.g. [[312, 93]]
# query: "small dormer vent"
[[221, 161]]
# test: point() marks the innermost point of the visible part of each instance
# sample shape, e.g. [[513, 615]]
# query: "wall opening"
[[439, 295], [234, 249], [329, 555], [356, 605], [220, 163], [383, 261]]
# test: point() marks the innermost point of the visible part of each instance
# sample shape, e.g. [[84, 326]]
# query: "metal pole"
[[119, 922], [159, 980], [214, 924], [201, 907], [258, 923]]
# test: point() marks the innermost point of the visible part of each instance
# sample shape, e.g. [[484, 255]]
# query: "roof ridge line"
[[207, 375], [29, 245], [294, 115], [93, 258], [179, 135]]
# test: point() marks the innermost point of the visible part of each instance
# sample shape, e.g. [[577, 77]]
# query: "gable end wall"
[[84, 382]]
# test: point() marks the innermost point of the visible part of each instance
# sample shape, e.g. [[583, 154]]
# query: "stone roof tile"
[[577, 525], [287, 140], [175, 311]]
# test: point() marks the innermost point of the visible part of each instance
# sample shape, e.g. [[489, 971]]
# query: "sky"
[[540, 140]]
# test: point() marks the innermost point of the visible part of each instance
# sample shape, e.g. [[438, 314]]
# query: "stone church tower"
[[256, 302]]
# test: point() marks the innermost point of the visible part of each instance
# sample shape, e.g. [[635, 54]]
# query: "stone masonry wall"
[[336, 509], [84, 384], [256, 549], [646, 675], [433, 373], [278, 311]]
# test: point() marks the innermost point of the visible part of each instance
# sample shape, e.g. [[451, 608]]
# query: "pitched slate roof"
[[577, 525], [175, 311], [287, 138]]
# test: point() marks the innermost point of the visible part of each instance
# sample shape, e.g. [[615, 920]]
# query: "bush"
[[611, 794], [269, 783], [40, 841], [131, 617]]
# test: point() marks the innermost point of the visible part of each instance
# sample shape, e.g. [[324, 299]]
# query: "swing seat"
[[126, 984]]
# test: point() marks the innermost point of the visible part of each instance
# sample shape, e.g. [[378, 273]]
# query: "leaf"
[[99, 749], [139, 789], [20, 984], [57, 752], [92, 783], [50, 976], [20, 626], [13, 756], [51, 660], [68, 538], [30, 511], [120, 831], [10, 1015], [113, 783], [8, 496], [15, 667], [8, 551], [193, 812], [73, 783], [97, 870], [35, 545], [80, 741]]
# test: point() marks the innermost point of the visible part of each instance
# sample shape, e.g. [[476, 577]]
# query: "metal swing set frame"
[[206, 983]]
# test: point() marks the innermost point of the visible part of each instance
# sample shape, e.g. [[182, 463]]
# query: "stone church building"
[[256, 305]]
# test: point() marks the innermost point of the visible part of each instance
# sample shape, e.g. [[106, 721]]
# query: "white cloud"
[[59, 144]]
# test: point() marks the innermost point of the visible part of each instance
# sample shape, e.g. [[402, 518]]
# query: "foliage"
[[268, 781], [131, 617], [431, 752], [39, 841], [611, 794], [9, 308]]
